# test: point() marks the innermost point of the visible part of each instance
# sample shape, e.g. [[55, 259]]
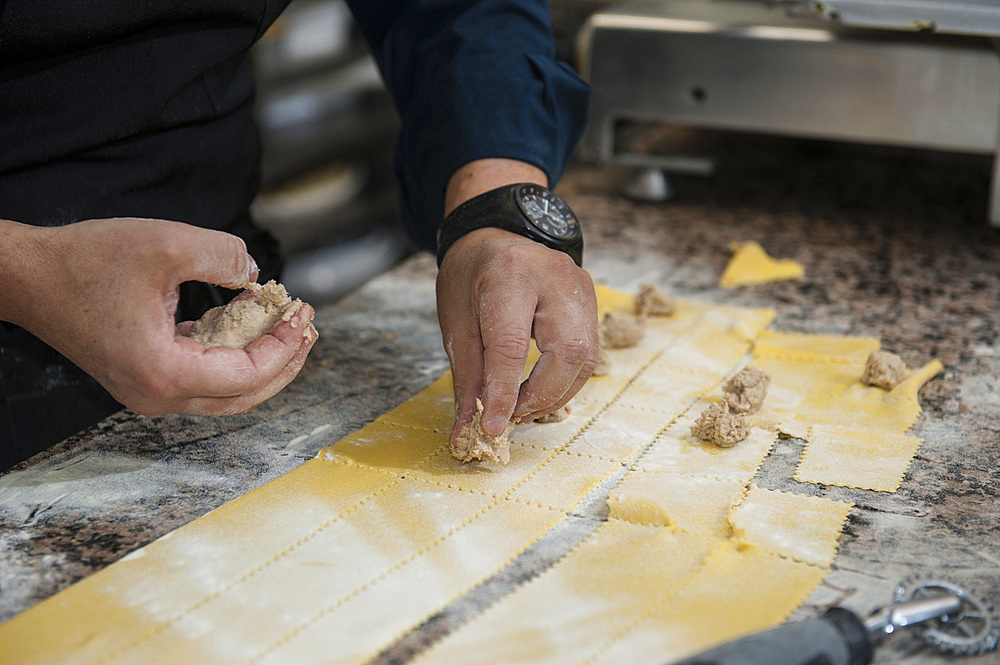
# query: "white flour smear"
[[92, 480]]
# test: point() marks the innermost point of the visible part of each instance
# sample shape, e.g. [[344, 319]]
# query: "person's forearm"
[[103, 293], [471, 79], [482, 175], [22, 255]]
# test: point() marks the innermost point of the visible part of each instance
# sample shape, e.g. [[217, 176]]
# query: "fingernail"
[[495, 426], [303, 316]]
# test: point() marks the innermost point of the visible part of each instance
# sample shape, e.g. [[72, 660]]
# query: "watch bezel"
[[573, 232]]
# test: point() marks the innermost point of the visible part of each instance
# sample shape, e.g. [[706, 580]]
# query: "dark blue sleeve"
[[471, 79]]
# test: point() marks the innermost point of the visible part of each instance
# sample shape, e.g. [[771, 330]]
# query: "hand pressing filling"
[[473, 443]]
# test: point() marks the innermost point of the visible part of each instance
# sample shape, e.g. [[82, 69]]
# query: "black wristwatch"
[[527, 209]]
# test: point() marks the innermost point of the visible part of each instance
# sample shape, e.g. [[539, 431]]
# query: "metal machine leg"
[[994, 211]]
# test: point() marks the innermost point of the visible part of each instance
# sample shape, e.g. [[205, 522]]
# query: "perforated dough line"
[[644, 614], [139, 639], [734, 544], [332, 606], [161, 626]]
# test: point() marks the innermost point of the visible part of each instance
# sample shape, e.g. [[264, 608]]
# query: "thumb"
[[215, 257]]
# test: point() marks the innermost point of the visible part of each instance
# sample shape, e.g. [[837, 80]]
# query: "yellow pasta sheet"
[[853, 457], [602, 587], [854, 432], [336, 560], [751, 265], [740, 589]]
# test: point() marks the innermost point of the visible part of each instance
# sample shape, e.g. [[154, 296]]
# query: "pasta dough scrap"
[[751, 265], [856, 457]]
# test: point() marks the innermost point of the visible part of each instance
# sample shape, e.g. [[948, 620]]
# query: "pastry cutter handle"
[[839, 637]]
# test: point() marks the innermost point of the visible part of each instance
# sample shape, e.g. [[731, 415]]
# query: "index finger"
[[505, 323]]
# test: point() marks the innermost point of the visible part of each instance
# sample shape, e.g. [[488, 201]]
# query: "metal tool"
[[799, 68], [942, 614]]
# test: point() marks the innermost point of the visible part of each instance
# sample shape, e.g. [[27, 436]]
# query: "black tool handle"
[[837, 638]]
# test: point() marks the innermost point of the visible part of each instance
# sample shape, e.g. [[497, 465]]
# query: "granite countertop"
[[895, 245]]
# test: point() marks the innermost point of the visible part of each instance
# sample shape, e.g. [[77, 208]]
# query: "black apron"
[[120, 109]]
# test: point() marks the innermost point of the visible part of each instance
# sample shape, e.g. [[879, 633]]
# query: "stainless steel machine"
[[914, 73]]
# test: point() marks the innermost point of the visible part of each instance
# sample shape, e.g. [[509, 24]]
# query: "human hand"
[[496, 290], [104, 292]]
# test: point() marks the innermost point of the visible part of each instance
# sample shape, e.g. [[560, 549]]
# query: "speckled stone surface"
[[894, 245]]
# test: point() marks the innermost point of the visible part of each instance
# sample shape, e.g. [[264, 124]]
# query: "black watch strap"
[[498, 208]]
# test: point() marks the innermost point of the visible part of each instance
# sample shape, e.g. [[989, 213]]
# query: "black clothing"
[[143, 109]]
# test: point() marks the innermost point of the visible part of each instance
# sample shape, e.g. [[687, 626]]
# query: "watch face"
[[547, 212]]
